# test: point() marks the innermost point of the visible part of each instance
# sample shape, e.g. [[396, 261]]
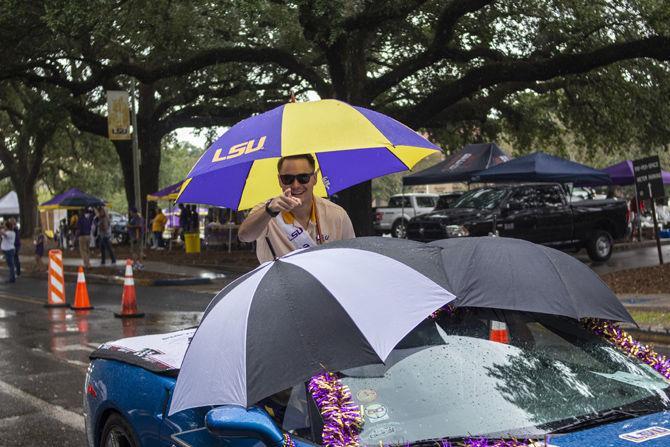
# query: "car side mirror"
[[238, 422]]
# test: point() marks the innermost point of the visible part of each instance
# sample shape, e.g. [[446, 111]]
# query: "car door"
[[554, 218], [425, 204], [519, 215]]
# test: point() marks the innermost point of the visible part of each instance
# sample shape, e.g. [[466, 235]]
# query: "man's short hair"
[[308, 157]]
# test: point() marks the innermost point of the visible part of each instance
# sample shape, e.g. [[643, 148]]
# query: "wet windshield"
[[447, 379], [482, 198]]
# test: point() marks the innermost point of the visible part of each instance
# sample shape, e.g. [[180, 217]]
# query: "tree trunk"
[[348, 71], [25, 190]]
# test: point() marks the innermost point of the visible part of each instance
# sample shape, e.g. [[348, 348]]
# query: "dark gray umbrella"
[[513, 274], [338, 306]]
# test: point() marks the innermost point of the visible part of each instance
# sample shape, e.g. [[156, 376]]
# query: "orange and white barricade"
[[56, 292]]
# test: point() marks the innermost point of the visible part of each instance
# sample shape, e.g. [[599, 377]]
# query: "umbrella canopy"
[[513, 274], [460, 166], [9, 204], [72, 199], [623, 173], [351, 145], [168, 193], [541, 167], [313, 309]]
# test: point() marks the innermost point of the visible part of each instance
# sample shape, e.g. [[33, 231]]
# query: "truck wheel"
[[599, 247], [117, 433], [399, 229]]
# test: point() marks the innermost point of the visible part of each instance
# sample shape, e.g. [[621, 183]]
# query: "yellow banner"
[[118, 115]]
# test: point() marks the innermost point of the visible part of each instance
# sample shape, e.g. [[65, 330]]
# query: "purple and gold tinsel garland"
[[288, 441], [342, 419], [627, 344]]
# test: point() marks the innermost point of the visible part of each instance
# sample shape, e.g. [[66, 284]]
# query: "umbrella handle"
[[272, 250]]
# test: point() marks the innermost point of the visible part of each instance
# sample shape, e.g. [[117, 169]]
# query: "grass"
[[651, 318]]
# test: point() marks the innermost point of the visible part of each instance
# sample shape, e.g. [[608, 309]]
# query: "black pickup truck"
[[540, 213]]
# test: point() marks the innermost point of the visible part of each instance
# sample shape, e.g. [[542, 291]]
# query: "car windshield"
[[447, 379], [482, 198]]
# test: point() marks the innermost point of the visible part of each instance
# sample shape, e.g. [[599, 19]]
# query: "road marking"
[[75, 347], [56, 412], [18, 298]]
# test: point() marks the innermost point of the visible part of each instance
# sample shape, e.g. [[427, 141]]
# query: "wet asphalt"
[[44, 352]]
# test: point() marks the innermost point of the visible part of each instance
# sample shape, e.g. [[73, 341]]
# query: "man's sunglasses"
[[303, 179]]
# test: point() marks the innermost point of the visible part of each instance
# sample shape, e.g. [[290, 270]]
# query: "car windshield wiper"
[[599, 419]]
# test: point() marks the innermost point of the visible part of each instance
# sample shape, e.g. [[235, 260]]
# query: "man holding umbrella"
[[296, 218]]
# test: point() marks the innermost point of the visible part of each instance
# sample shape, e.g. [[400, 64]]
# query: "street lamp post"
[[136, 153]]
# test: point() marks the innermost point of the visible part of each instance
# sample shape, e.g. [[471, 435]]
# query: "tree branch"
[[437, 50], [524, 70]]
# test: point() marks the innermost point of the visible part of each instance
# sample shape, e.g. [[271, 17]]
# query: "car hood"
[[454, 216], [652, 430]]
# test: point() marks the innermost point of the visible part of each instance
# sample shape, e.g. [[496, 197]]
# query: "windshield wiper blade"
[[602, 418]]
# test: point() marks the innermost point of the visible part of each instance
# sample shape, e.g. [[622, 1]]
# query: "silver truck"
[[401, 208]]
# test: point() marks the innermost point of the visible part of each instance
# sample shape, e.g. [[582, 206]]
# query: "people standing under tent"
[[39, 241], [194, 225], [17, 246], [296, 218], [72, 233], [158, 227], [8, 236], [62, 234], [84, 224], [93, 242], [105, 236], [135, 233], [183, 220]]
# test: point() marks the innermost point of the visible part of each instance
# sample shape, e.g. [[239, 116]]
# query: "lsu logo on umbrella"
[[237, 150]]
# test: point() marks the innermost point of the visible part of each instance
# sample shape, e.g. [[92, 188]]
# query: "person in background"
[[84, 224], [39, 241], [74, 219], [194, 224], [105, 236], [135, 232], [17, 246], [183, 220], [7, 246], [157, 228]]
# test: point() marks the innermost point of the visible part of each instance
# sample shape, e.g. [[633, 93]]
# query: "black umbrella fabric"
[[513, 274], [459, 166], [341, 305]]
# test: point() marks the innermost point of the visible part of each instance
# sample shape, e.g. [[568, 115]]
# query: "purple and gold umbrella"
[[351, 145]]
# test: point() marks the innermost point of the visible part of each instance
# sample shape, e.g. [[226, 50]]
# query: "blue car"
[[471, 373]]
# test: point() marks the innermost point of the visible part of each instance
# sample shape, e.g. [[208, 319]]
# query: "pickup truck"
[[540, 213], [401, 208]]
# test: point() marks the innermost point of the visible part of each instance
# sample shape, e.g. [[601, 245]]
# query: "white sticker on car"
[[376, 413], [645, 434]]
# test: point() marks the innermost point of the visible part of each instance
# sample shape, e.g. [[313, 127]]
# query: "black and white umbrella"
[[341, 305], [512, 274]]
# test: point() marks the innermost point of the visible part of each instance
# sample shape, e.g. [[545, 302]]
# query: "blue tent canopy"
[[541, 167], [460, 166]]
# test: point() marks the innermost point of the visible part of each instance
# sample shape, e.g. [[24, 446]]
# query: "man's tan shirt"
[[333, 220]]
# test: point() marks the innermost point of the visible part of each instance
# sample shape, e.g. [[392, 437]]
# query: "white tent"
[[9, 204]]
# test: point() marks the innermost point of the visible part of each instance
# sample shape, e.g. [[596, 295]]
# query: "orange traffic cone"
[[81, 301], [128, 299], [499, 332]]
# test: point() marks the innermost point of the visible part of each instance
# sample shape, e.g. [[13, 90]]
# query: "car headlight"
[[456, 231]]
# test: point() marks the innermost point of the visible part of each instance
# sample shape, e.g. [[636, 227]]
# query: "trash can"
[[192, 242]]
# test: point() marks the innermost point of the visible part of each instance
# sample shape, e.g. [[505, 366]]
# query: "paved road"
[[45, 352], [628, 259]]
